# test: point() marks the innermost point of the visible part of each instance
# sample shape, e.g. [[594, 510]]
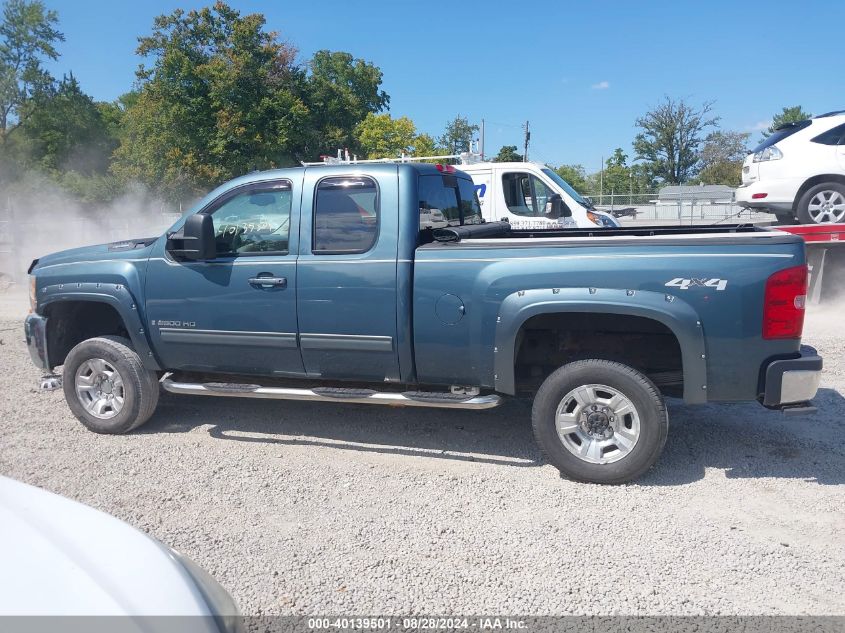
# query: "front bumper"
[[35, 328], [792, 381]]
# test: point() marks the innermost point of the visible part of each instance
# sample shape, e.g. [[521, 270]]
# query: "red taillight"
[[758, 196], [783, 304], [449, 169]]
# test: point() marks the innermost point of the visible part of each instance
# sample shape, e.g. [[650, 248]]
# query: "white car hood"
[[59, 557]]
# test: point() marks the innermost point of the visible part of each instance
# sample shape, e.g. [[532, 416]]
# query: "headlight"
[[32, 297], [220, 603], [770, 153], [594, 218]]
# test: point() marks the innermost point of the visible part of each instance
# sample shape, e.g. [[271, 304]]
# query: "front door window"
[[253, 222], [525, 194]]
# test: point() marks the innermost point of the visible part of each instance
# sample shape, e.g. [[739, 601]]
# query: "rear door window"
[[834, 136], [346, 215]]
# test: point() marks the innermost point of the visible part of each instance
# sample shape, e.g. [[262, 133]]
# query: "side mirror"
[[554, 207], [196, 239]]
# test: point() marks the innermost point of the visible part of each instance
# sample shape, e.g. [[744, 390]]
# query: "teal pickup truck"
[[322, 283]]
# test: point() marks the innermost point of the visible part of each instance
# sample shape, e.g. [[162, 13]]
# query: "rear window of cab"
[[447, 200]]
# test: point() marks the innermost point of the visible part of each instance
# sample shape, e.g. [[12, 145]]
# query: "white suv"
[[799, 172]]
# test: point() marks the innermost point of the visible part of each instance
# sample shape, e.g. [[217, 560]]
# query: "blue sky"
[[581, 73]]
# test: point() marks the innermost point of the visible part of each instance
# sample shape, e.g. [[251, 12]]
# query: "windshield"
[[566, 187], [787, 129]]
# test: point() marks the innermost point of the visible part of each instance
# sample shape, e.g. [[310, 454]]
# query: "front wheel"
[[107, 387], [600, 421]]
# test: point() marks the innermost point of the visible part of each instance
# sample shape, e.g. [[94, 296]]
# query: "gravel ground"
[[305, 508]]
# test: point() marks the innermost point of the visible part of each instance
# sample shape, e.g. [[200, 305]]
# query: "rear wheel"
[[823, 204], [600, 421], [107, 387]]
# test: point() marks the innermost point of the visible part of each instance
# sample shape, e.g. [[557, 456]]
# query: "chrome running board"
[[438, 400]]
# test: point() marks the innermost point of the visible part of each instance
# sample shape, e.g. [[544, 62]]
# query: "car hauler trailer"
[[825, 259]]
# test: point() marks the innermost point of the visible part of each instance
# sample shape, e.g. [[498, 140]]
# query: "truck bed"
[[711, 278]]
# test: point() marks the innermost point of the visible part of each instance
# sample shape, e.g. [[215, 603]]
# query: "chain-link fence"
[[680, 209]]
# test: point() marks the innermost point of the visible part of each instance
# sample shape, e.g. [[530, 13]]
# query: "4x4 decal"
[[686, 284]]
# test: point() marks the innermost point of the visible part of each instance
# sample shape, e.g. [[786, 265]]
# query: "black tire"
[[641, 393], [803, 208], [139, 385]]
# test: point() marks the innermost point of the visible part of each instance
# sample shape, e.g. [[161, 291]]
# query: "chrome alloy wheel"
[[827, 207], [99, 387], [597, 424]]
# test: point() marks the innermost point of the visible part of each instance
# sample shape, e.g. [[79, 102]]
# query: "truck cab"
[[524, 194]]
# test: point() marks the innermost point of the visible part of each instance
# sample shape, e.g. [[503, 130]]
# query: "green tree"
[[644, 179], [64, 130], [382, 136], [722, 154], [426, 145], [28, 36], [113, 113], [222, 97], [340, 92], [575, 176], [618, 159], [508, 154], [458, 135], [670, 137], [617, 178], [790, 114]]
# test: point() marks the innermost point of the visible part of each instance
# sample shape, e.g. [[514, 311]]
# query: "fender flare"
[[119, 297], [677, 315]]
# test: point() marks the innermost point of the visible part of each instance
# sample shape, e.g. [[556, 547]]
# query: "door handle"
[[269, 282]]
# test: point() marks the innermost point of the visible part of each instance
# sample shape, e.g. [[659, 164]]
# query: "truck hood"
[[137, 248], [64, 558]]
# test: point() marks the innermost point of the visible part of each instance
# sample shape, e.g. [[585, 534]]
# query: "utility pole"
[[481, 149], [601, 181], [527, 139]]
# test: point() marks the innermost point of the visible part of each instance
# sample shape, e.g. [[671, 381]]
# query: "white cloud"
[[761, 125], [602, 85]]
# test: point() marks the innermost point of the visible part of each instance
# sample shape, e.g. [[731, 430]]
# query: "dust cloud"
[[38, 217], [826, 316]]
